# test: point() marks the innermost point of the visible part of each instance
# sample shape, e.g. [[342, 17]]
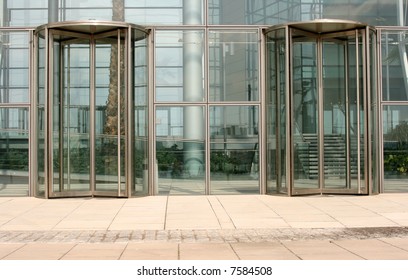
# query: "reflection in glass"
[[14, 80], [179, 66], [234, 158], [141, 144], [180, 150], [271, 12], [14, 151], [109, 116], [395, 137], [276, 112], [233, 66], [305, 114], [70, 130], [394, 65]]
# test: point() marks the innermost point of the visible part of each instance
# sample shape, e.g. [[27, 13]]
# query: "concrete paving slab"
[[151, 251], [95, 251], [319, 250], [199, 251], [263, 251], [6, 249], [373, 249], [40, 251]]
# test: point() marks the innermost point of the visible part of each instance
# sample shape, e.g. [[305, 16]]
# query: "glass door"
[[343, 112], [71, 131], [328, 112], [305, 112], [89, 123]]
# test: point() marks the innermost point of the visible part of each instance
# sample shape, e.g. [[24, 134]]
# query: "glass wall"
[[180, 150], [233, 65], [219, 12], [394, 48], [14, 112], [14, 151], [395, 139], [234, 154]]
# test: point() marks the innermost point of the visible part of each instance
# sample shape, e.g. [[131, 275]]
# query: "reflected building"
[[200, 97]]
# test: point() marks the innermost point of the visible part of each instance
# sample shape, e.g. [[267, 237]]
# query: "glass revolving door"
[[94, 98], [320, 87]]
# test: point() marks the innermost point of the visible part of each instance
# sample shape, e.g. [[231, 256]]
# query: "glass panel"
[[374, 115], [395, 129], [270, 12], [305, 113], [394, 65], [14, 63], [276, 112], [180, 66], [141, 142], [109, 116], [41, 116], [234, 155], [180, 150], [71, 119], [14, 151], [233, 66], [336, 110]]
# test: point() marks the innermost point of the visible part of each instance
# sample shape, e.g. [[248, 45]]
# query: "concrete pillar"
[[193, 129]]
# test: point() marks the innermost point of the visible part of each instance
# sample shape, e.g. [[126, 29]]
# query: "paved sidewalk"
[[206, 227]]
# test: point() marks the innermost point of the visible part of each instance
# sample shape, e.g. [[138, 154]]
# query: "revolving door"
[[91, 109], [319, 134]]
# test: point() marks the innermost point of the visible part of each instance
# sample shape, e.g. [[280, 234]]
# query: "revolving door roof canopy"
[[90, 27], [323, 26]]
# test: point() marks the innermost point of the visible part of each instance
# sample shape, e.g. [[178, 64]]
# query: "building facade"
[[125, 98]]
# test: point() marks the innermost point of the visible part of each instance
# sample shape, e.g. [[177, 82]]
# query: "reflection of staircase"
[[306, 159]]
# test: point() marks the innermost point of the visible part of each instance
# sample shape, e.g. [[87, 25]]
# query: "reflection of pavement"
[[206, 227], [185, 187]]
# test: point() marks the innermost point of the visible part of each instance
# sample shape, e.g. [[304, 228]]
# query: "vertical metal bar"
[[289, 108], [320, 99], [32, 89], [92, 112], [207, 114], [367, 108], [130, 118], [347, 112], [152, 115], [358, 114], [48, 112], [380, 141], [119, 114], [262, 116]]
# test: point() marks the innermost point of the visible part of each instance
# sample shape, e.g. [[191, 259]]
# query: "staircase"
[[307, 161]]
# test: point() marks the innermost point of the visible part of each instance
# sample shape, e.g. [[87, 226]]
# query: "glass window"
[[180, 150], [374, 12], [14, 63], [180, 66], [14, 151], [234, 157], [394, 50], [233, 66], [395, 137]]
